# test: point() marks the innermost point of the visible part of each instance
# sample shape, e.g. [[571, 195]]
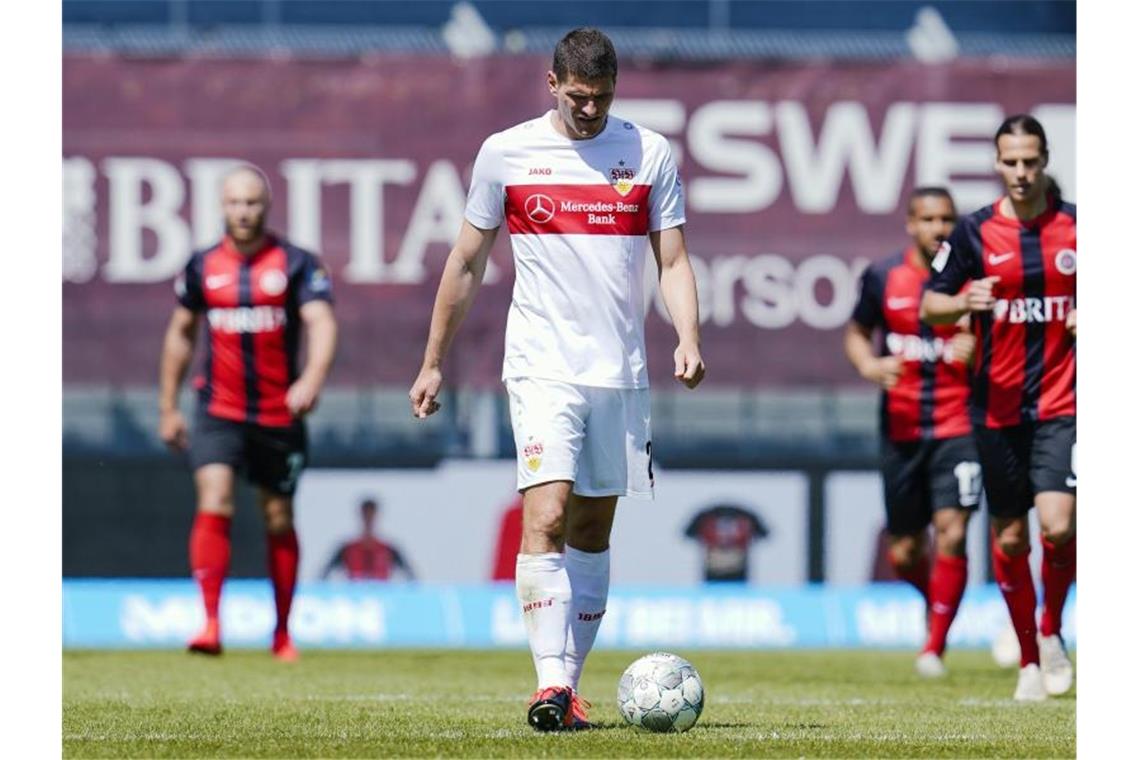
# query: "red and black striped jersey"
[[1026, 367], [930, 399], [252, 305], [369, 558]]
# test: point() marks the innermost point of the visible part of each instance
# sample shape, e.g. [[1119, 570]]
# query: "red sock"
[[283, 558], [1058, 569], [947, 584], [917, 575], [1016, 584], [210, 558]]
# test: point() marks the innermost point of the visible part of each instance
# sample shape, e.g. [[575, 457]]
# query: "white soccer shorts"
[[596, 437]]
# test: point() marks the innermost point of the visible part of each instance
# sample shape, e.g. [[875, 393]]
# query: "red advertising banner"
[[796, 176]]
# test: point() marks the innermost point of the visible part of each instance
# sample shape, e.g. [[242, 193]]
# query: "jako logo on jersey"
[[913, 348], [1066, 261], [546, 171], [1017, 311], [621, 177], [247, 319], [274, 282], [540, 208]]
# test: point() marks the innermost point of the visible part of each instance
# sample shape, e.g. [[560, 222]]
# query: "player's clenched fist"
[[688, 367], [883, 371], [962, 347], [424, 391], [172, 430], [980, 295]]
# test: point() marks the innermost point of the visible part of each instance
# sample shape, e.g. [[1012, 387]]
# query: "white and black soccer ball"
[[661, 692]]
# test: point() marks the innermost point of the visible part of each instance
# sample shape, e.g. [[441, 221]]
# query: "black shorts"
[[922, 476], [271, 457], [1021, 461]]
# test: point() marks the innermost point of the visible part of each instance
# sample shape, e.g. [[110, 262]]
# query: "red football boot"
[[283, 648], [577, 717], [549, 708], [208, 641]]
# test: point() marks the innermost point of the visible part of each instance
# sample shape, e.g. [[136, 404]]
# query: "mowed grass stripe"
[[472, 704]]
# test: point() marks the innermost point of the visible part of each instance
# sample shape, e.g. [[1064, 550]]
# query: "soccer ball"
[[661, 692]]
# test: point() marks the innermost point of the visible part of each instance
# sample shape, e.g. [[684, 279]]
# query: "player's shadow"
[[723, 724]]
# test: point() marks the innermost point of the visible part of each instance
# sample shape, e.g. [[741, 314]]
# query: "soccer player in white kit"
[[579, 191]]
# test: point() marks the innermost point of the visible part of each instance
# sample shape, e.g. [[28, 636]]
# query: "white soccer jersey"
[[578, 212]]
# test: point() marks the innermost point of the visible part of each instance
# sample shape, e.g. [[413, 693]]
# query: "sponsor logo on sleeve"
[[319, 280]]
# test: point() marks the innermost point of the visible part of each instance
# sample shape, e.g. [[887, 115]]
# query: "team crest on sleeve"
[[319, 280], [532, 455], [621, 177]]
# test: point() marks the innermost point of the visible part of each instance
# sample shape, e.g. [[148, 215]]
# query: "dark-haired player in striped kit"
[[930, 465], [1020, 255], [255, 291]]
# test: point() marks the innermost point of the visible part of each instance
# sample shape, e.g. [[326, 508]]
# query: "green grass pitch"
[[417, 703]]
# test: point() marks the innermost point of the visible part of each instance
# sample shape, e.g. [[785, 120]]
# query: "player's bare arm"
[[177, 351], [679, 291], [321, 336], [462, 276], [964, 342], [881, 370], [945, 309]]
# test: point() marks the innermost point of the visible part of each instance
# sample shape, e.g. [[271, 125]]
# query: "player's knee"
[[905, 551], [279, 523], [1013, 542], [214, 503], [546, 524], [1058, 535], [951, 539]]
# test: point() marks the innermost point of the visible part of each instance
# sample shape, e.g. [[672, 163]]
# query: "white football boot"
[[1030, 685], [930, 665], [1056, 669]]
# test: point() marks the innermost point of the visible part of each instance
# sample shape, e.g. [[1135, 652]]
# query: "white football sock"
[[589, 574], [544, 594]]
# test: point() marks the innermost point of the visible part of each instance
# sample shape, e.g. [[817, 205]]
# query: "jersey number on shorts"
[[969, 475], [649, 454], [295, 463], [1071, 481]]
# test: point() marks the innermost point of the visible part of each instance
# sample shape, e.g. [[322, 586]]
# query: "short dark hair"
[[1023, 124], [586, 53], [928, 191]]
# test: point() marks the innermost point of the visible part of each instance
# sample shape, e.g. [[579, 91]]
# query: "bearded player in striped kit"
[[579, 191]]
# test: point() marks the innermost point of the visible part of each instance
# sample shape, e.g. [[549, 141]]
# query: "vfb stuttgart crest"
[[532, 455], [621, 177]]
